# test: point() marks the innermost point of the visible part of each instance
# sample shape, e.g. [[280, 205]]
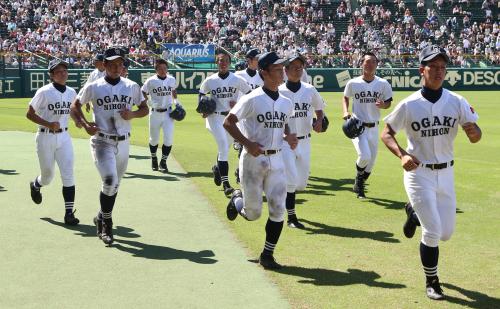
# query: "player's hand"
[[232, 103], [91, 128], [471, 130], [346, 116], [318, 125], [54, 126], [255, 149], [380, 104], [409, 162], [126, 114], [292, 140], [87, 107]]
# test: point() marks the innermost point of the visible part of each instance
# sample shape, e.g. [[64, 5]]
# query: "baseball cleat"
[[231, 210], [107, 233], [217, 177], [154, 163], [411, 221], [359, 186], [268, 262], [228, 191], [36, 195], [433, 290], [294, 223], [70, 219], [163, 166], [98, 224], [237, 175]]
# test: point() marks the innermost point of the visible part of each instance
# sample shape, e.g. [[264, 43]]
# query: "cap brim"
[[64, 63], [430, 57], [296, 58], [280, 61], [114, 57]]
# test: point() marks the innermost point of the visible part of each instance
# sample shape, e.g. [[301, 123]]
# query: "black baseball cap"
[[55, 62], [252, 53], [296, 57], [269, 58], [99, 57], [431, 52], [115, 52]]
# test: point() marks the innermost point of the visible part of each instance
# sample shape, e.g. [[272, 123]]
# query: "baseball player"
[[370, 93], [96, 74], [253, 79], [431, 118], [265, 113], [161, 87], [49, 109], [225, 88], [307, 102], [112, 99]]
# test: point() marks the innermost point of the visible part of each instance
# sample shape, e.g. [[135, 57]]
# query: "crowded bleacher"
[[330, 33]]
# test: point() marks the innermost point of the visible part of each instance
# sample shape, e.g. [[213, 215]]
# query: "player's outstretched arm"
[[79, 118], [142, 111], [408, 162], [473, 131], [33, 116]]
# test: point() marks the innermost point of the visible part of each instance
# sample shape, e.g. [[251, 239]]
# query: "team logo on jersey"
[[59, 108], [115, 102], [436, 126], [301, 110], [272, 120], [224, 92], [162, 91], [367, 96]]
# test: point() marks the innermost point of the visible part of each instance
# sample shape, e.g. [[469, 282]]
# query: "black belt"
[[159, 110], [305, 136], [43, 130], [370, 124], [271, 152], [439, 166], [222, 113], [117, 138]]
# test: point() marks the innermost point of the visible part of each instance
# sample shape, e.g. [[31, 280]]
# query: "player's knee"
[[110, 185], [446, 234], [291, 187], [68, 181], [431, 239], [252, 214], [47, 176], [301, 185], [364, 160], [276, 214]]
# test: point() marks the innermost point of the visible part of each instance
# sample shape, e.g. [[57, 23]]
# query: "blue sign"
[[201, 53]]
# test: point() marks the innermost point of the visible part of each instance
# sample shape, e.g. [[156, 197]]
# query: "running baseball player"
[[225, 88], [112, 99], [96, 74], [431, 118], [161, 88], [253, 79], [49, 109], [265, 113], [307, 103], [370, 93]]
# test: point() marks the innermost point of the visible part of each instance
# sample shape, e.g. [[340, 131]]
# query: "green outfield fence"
[[16, 83]]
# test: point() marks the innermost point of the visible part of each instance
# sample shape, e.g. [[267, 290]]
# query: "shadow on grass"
[[85, 230], [154, 252], [475, 299], [328, 277], [320, 228], [387, 204], [2, 189], [139, 157], [329, 184], [193, 174], [162, 176], [8, 172]]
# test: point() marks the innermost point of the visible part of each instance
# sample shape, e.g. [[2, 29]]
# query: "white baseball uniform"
[[53, 106], [306, 101], [161, 99], [253, 81], [222, 91], [364, 95], [303, 78], [110, 146], [93, 76], [431, 129], [264, 123]]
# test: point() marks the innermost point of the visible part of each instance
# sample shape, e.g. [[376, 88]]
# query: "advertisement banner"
[[190, 53]]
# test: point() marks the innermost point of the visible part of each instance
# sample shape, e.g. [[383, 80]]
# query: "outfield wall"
[[23, 83]]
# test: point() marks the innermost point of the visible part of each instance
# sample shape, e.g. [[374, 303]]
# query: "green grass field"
[[353, 253]]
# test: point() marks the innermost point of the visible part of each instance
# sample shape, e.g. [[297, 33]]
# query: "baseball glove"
[[206, 105], [178, 113], [353, 127], [324, 124]]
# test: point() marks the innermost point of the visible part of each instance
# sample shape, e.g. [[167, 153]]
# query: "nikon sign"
[[189, 81]]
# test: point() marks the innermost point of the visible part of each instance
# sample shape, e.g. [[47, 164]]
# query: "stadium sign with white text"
[[190, 53]]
